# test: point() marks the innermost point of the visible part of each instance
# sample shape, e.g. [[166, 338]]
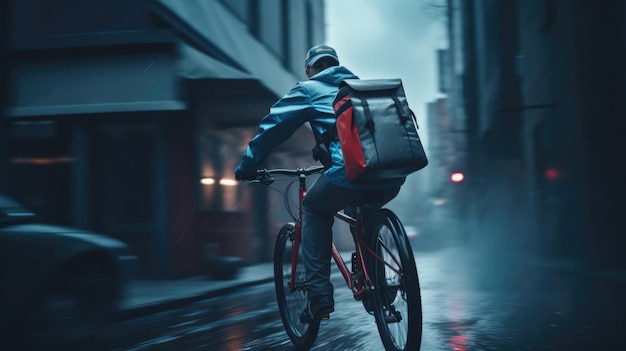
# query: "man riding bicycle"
[[312, 101]]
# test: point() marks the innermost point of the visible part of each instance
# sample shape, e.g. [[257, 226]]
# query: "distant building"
[[543, 98], [128, 118]]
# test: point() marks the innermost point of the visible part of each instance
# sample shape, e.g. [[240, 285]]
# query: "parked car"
[[58, 285]]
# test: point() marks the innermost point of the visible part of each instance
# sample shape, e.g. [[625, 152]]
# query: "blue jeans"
[[320, 203]]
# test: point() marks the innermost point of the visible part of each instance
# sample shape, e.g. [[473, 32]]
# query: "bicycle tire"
[[291, 303], [396, 297]]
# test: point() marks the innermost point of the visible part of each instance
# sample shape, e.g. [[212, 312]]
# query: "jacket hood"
[[334, 75]]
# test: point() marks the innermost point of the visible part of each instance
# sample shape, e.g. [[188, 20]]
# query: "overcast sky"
[[391, 39]]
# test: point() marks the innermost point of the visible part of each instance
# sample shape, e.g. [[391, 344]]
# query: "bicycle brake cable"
[[289, 204]]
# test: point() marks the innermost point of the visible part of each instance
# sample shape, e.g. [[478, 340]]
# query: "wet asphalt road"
[[472, 300]]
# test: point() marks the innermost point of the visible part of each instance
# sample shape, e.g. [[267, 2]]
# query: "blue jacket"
[[309, 101]]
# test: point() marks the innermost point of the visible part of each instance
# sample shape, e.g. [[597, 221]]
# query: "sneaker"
[[318, 309]]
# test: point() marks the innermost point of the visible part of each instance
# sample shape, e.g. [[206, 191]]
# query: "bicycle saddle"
[[368, 199]]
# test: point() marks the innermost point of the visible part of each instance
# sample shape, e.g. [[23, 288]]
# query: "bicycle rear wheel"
[[396, 296], [291, 302]]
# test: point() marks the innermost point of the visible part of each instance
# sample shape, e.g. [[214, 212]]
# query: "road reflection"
[[234, 336], [458, 332], [470, 302]]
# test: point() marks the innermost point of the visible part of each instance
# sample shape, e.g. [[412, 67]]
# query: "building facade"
[[128, 118], [543, 100]]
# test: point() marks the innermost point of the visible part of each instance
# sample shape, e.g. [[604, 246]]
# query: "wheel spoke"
[[291, 302], [398, 266], [397, 303]]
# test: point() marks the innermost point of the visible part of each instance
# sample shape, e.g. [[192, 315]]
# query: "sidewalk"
[[144, 297]]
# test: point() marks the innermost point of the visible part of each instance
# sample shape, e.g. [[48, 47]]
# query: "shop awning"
[[194, 64], [211, 29]]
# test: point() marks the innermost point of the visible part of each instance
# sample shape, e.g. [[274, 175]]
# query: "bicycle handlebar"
[[265, 176]]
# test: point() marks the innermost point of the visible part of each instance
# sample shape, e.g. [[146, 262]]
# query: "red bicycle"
[[382, 275]]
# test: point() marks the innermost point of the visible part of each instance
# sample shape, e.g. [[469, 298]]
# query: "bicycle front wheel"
[[396, 296], [292, 301]]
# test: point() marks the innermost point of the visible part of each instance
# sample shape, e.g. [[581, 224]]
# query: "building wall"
[[564, 82], [573, 55], [483, 50], [57, 17], [131, 170], [273, 26], [287, 28], [5, 15], [299, 40]]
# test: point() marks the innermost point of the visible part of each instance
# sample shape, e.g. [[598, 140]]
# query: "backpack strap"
[[321, 151], [329, 135], [368, 116], [403, 117]]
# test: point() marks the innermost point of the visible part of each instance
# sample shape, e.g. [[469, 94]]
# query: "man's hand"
[[240, 175]]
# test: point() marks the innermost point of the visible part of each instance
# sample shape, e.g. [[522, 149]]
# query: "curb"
[[139, 311]]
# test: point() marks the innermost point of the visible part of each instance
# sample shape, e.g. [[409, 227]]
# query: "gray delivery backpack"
[[377, 130]]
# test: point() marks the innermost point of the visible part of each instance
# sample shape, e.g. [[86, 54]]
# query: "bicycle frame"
[[360, 281]]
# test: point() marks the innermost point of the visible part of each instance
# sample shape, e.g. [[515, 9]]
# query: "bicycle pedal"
[[326, 314], [307, 318]]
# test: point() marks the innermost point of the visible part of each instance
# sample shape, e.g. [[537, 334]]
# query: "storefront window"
[[220, 152], [40, 163]]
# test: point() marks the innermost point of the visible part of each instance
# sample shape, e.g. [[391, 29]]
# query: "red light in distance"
[[457, 177], [552, 174]]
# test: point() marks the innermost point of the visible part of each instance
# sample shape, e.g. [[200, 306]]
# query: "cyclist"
[[311, 101]]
